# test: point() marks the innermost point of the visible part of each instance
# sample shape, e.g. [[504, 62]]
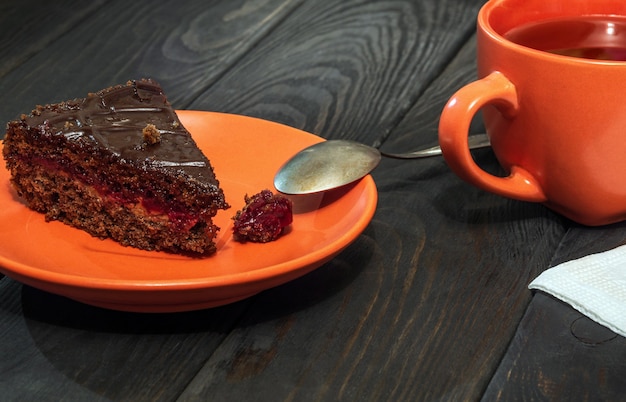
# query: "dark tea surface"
[[589, 37]]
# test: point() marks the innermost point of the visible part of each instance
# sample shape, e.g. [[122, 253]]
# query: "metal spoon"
[[335, 163]]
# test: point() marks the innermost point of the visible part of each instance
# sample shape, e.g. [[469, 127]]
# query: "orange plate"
[[245, 152]]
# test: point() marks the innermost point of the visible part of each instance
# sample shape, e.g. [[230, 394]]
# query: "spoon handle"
[[474, 142]]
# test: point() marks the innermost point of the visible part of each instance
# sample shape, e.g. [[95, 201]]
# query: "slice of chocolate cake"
[[117, 164]]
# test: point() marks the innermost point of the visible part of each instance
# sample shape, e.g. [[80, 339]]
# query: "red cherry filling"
[[263, 218], [176, 212]]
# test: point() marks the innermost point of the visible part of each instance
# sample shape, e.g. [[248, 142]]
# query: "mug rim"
[[484, 23]]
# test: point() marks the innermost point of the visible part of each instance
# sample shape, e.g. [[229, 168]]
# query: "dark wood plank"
[[28, 26], [345, 69], [583, 240], [184, 45], [559, 354], [53, 348], [423, 305], [419, 128]]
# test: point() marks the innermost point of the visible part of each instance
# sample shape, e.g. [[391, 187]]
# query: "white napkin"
[[595, 285]]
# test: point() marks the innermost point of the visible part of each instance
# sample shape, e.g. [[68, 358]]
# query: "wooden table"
[[429, 303]]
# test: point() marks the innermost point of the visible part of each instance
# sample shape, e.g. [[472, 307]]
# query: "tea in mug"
[[589, 37]]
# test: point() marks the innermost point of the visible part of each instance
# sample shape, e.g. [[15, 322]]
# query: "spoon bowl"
[[335, 163], [326, 165]]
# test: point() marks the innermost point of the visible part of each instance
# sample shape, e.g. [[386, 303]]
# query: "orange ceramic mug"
[[552, 91]]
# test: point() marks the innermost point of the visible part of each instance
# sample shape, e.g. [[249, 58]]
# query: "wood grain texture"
[[557, 353], [53, 348], [28, 26], [348, 69], [184, 45], [419, 127]]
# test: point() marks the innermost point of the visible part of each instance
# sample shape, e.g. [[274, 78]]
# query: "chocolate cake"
[[118, 164], [263, 218]]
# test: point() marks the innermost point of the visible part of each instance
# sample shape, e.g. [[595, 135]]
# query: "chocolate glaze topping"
[[114, 118]]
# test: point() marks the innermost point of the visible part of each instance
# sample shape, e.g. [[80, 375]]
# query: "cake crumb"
[[151, 135]]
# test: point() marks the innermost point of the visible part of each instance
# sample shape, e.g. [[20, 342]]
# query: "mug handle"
[[454, 126]]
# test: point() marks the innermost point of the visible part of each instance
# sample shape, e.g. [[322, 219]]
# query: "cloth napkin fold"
[[595, 285]]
